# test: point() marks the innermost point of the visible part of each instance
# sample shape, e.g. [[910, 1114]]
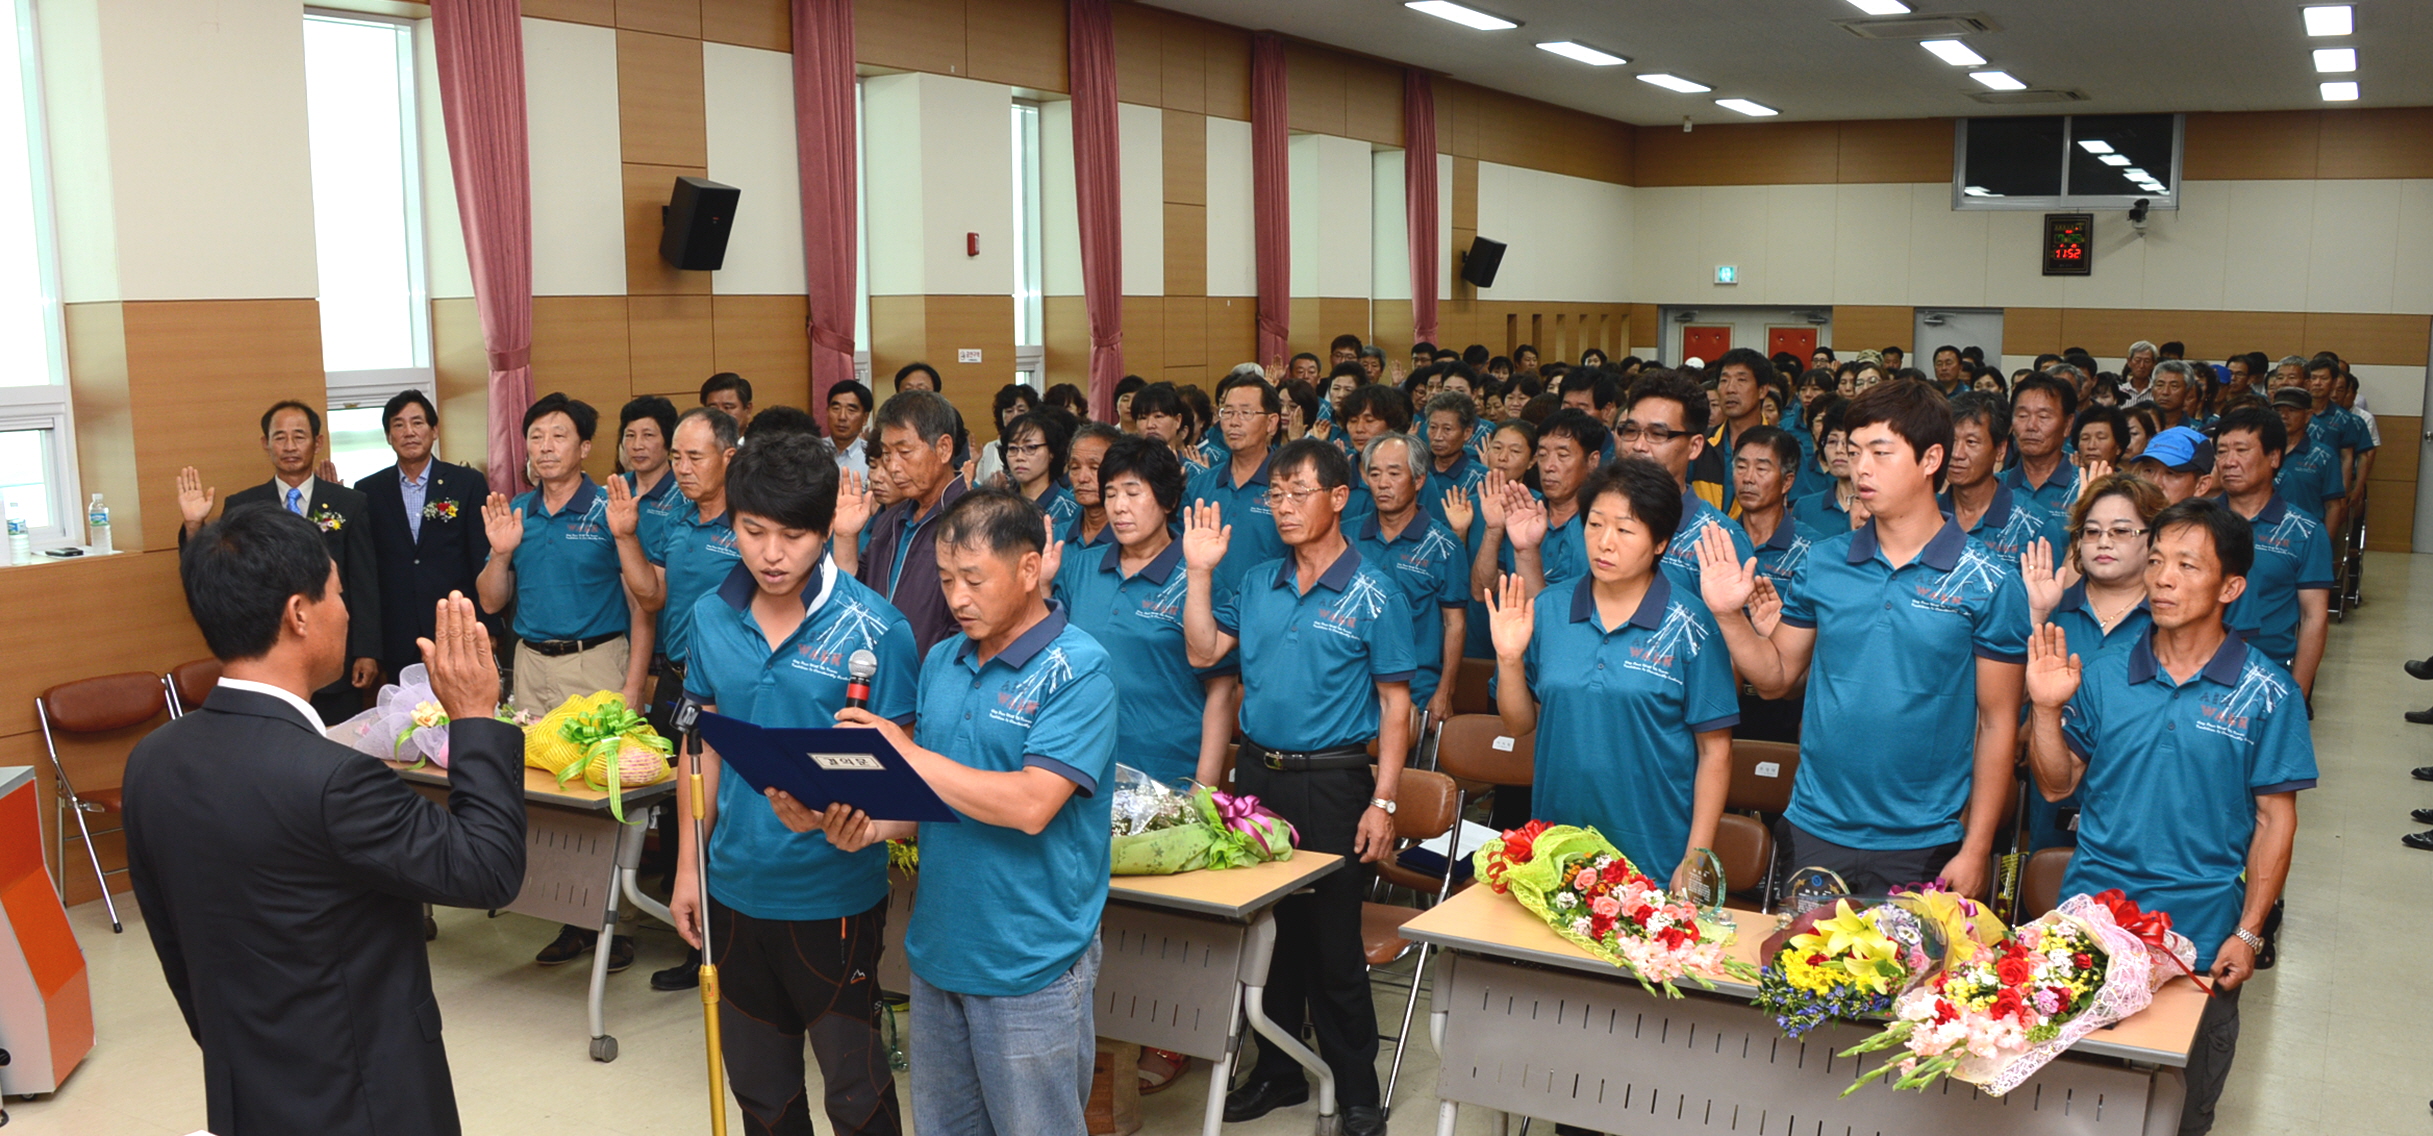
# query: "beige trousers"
[[542, 681]]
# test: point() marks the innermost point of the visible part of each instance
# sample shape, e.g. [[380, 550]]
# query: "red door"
[[1800, 341], [1705, 344]]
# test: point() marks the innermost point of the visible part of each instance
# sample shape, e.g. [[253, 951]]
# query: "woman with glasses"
[[1035, 449]]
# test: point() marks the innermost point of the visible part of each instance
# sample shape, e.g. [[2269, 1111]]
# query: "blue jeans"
[[1016, 1066]]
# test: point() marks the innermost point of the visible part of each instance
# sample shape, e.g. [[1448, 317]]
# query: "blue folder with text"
[[856, 766]]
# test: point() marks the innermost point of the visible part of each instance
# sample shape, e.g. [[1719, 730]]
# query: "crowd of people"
[[1952, 588]]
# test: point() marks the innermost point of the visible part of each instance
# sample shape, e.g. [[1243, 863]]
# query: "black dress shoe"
[[2423, 840], [2422, 816], [1258, 1098], [2422, 773], [2419, 668], [687, 974], [1363, 1120], [567, 947], [620, 953], [2419, 717]]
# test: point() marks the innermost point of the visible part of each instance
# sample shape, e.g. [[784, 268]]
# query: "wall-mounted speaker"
[[1479, 264], [696, 219]]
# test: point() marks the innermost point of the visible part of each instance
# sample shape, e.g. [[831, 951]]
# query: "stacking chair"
[[102, 705], [1474, 750], [1470, 687], [190, 683], [2040, 882], [1761, 784], [1425, 809], [1746, 849]]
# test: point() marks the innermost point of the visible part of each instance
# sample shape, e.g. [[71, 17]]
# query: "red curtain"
[[480, 45], [1271, 196], [1419, 197], [826, 157], [1098, 193]]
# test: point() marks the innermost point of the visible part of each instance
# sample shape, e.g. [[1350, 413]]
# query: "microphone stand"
[[688, 717]]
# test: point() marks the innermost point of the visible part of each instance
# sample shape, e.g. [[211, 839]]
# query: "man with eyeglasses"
[[1247, 411], [1664, 420], [1977, 498], [1327, 658]]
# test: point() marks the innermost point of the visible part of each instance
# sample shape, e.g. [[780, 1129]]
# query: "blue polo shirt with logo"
[[1244, 506], [2057, 496], [1820, 515], [2293, 554], [1311, 661], [697, 555], [656, 505], [1138, 619], [2309, 475], [757, 865], [1680, 557], [1433, 571], [1888, 737], [1619, 713], [2173, 773], [2009, 530], [1780, 557], [567, 584], [1063, 512], [1012, 911]]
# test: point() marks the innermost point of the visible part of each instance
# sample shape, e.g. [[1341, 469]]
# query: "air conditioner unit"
[[1940, 25], [2031, 95]]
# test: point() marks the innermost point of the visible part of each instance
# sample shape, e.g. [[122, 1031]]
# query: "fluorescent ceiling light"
[[2335, 60], [2114, 159], [2340, 92], [1881, 7], [2135, 174], [2095, 145], [1466, 17], [1744, 106], [1998, 80], [1583, 53], [1953, 51], [1979, 191], [1675, 83], [2328, 20]]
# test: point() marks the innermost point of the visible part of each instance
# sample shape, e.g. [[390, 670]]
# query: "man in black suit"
[[291, 435], [282, 875], [426, 526]]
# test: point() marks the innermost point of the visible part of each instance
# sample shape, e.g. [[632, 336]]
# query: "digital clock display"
[[2069, 244]]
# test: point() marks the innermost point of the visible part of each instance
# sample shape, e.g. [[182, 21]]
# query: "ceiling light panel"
[[1675, 83], [2329, 20], [2344, 92], [2095, 145], [1953, 51], [1583, 53], [1465, 16], [2335, 60], [1744, 106], [1997, 80], [2113, 159], [1881, 7]]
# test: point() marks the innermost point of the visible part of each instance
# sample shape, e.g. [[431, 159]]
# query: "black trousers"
[[1869, 871], [779, 980], [1770, 719], [2216, 1042], [1320, 973]]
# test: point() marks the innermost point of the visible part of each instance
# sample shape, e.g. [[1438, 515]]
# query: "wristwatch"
[[1382, 803], [2255, 942]]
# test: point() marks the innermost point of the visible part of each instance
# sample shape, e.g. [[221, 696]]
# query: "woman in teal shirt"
[[1626, 684]]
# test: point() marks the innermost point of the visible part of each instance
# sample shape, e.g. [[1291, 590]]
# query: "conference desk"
[[577, 860], [1525, 1022]]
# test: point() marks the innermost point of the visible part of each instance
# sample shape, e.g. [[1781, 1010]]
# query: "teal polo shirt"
[[1008, 911], [656, 506], [1244, 506], [2086, 635], [2009, 530], [1619, 713], [1680, 557], [1063, 512], [567, 584], [2340, 428], [1433, 571], [1311, 661], [1888, 737], [1780, 557], [2056, 497], [1138, 619], [2309, 476], [1821, 515], [697, 555], [758, 866], [2293, 554], [1563, 554], [1466, 475], [2173, 772]]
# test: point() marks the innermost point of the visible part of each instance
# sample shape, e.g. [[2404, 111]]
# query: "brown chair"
[[2040, 882], [1746, 850], [1474, 750], [189, 684], [1761, 776], [93, 706], [1426, 807], [1470, 687]]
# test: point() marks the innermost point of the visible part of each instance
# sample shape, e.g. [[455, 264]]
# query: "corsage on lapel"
[[439, 511], [327, 519]]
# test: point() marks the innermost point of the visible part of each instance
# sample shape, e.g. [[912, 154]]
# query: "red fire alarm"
[[971, 244]]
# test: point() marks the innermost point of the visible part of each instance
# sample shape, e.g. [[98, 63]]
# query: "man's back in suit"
[[281, 876], [418, 569]]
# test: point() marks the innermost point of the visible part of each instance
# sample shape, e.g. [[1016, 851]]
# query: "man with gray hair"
[[2137, 374], [1419, 552], [2172, 391], [916, 449]]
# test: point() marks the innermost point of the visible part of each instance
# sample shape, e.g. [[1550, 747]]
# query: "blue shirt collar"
[[1785, 533], [667, 485], [1159, 569], [1942, 553], [1997, 513], [1651, 606], [742, 584], [580, 503], [2228, 660], [1257, 477], [1337, 575], [1018, 654]]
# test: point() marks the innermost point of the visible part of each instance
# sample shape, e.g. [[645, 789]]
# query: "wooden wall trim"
[[2359, 337]]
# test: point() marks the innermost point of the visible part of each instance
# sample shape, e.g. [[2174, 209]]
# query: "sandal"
[[1160, 1069]]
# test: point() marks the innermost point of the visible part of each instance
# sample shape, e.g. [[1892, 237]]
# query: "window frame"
[[48, 405], [353, 388], [2067, 201], [1029, 218]]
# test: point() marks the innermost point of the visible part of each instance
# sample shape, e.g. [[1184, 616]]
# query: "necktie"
[[295, 501]]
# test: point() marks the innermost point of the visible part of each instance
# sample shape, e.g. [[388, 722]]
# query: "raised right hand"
[[1524, 517], [1491, 499], [1725, 581], [503, 523], [2043, 580], [624, 509], [193, 498], [463, 670], [1511, 618], [852, 505], [1206, 536], [2052, 671], [1458, 513]]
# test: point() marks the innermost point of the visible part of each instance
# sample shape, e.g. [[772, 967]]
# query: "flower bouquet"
[[1160, 830], [405, 723], [598, 738], [1591, 894], [1997, 1018], [1855, 959]]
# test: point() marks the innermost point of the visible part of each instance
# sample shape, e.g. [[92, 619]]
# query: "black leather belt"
[[559, 648], [1286, 761]]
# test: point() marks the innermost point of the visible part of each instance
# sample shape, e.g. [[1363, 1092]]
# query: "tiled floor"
[[2327, 1045]]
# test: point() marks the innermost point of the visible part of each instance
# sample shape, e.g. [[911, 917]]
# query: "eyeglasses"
[[1238, 414], [1632, 432], [1025, 449], [2118, 534], [1288, 498]]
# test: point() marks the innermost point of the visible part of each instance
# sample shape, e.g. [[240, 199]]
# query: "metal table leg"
[[628, 852], [1256, 954], [629, 871]]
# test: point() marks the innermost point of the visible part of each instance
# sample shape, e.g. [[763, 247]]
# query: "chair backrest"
[[1423, 806], [1470, 687], [1474, 747], [2040, 882], [99, 705], [1746, 850], [1761, 775], [193, 682]]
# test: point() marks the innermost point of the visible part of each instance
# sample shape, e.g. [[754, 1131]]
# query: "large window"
[[367, 226], [1029, 339], [2106, 161], [37, 443]]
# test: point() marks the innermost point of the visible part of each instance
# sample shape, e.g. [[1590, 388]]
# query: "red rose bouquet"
[[1591, 894]]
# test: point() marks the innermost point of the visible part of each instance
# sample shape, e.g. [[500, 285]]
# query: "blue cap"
[[2180, 450]]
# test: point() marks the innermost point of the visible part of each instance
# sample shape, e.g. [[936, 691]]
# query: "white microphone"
[[861, 667]]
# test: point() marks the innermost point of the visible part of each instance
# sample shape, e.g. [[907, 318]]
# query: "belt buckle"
[[1273, 760]]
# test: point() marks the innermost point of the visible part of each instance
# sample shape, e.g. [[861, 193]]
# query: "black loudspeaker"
[[697, 218], [1479, 265]]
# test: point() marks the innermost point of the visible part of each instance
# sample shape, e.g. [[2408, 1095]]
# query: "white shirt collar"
[[280, 488], [282, 694]]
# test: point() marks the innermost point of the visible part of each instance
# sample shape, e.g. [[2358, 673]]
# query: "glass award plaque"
[[1705, 886], [1811, 888]]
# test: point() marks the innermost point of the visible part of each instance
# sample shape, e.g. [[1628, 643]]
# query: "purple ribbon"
[[1244, 813]]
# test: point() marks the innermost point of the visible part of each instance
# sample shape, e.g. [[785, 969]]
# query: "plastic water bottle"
[[97, 525], [20, 542]]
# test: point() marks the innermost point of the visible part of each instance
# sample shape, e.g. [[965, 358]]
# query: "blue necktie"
[[295, 501]]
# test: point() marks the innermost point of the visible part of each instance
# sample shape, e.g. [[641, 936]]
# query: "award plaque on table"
[[1706, 886], [817, 767]]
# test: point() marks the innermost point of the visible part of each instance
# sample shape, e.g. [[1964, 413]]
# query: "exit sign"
[[2069, 244], [1727, 274]]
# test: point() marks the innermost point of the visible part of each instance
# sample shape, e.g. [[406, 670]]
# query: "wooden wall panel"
[[765, 24], [1227, 60], [599, 12], [1372, 101], [762, 339], [1309, 332], [1186, 250], [663, 17], [915, 35], [1067, 320], [1390, 327], [199, 375], [579, 346], [104, 403], [1183, 63], [2390, 519], [1740, 154], [2030, 331], [2377, 142], [1233, 331], [985, 322], [461, 365], [646, 191], [659, 100], [1140, 54], [128, 613], [1186, 340], [1457, 115], [1020, 43], [1895, 150], [898, 335], [1313, 83], [1339, 314], [2395, 340], [2399, 454], [2271, 144], [1857, 327], [1186, 163], [1144, 335], [1646, 321], [668, 339], [1462, 211]]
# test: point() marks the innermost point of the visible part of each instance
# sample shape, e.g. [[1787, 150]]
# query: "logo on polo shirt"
[[1683, 550], [1976, 575], [1166, 604], [1433, 548], [1363, 598], [2285, 537], [1680, 636], [2260, 691], [857, 628], [1018, 705]]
